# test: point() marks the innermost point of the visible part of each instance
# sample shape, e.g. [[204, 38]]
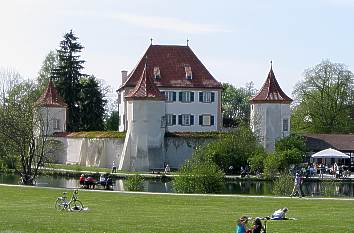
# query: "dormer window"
[[188, 70], [157, 74]]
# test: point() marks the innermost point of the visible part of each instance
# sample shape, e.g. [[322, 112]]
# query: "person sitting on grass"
[[241, 226], [257, 226]]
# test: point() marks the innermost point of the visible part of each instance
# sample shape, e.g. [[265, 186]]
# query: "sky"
[[235, 40]]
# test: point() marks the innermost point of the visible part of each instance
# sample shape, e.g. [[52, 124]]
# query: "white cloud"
[[166, 23]]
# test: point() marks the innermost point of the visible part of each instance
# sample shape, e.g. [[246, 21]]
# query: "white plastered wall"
[[143, 145], [267, 122], [51, 114]]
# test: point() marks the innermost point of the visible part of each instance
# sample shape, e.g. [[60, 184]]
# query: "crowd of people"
[[88, 182], [336, 170]]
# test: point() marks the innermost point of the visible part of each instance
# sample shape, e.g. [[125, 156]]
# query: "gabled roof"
[[172, 60], [271, 91], [342, 142], [145, 89], [51, 98]]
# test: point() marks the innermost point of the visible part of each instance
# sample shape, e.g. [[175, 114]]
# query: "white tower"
[[270, 113], [51, 110], [143, 145]]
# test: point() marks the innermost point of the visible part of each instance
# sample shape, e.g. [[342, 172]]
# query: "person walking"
[[297, 186]]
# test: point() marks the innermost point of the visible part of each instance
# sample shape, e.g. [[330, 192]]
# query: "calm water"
[[343, 189]]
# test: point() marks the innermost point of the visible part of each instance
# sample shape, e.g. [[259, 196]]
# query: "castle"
[[170, 90]]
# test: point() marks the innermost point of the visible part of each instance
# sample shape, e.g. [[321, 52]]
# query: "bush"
[[271, 166], [283, 185], [199, 177], [134, 183], [256, 161], [233, 149]]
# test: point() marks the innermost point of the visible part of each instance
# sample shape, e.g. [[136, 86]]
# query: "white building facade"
[[270, 113], [192, 95]]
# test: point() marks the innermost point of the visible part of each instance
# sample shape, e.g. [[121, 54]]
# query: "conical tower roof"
[[145, 88], [51, 98], [271, 91]]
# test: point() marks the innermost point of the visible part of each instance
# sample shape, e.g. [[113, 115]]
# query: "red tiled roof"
[[271, 91], [145, 89], [51, 97], [342, 142], [172, 60]]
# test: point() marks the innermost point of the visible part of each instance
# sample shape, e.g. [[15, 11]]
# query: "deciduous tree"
[[19, 142], [324, 100]]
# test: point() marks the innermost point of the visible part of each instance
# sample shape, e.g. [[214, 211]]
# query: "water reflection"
[[326, 188]]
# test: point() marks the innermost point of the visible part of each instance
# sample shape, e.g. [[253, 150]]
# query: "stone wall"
[[101, 152]]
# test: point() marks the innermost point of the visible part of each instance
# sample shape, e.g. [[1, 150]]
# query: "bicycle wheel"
[[76, 205], [60, 205]]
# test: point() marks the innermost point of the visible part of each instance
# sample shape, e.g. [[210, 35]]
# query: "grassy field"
[[30, 209]]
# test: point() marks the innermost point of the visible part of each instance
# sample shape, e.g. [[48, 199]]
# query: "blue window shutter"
[[200, 96], [174, 96], [192, 96], [173, 119], [180, 96], [163, 93], [211, 120], [192, 119], [200, 119], [180, 119], [212, 97]]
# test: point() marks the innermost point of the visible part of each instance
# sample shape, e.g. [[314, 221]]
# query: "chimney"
[[124, 76]]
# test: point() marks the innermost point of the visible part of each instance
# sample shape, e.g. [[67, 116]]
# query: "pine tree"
[[67, 77], [92, 104]]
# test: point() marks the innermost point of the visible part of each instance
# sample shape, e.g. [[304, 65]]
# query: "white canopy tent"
[[330, 153]]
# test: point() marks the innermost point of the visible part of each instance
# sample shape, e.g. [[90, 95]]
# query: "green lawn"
[[28, 209]]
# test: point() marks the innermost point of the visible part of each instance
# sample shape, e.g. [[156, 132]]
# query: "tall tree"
[[49, 64], [92, 103], [324, 100], [67, 77], [235, 104]]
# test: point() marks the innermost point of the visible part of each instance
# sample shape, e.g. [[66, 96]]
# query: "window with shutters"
[[170, 96], [206, 120], [171, 119], [206, 97], [186, 119], [186, 96]]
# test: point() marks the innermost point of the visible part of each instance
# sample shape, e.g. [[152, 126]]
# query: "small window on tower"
[[188, 70], [157, 73], [56, 124], [285, 125]]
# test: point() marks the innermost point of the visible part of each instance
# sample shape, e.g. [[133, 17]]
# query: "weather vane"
[[151, 41]]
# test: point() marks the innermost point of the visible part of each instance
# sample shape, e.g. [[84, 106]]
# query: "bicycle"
[[74, 204]]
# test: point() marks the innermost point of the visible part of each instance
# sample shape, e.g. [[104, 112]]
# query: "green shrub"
[[328, 188], [283, 185], [199, 177], [271, 166], [134, 183], [233, 149], [256, 161]]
